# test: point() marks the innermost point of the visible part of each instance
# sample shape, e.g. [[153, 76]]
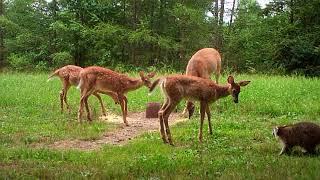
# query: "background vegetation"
[[241, 147], [283, 37]]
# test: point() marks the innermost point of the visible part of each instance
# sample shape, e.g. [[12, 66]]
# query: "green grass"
[[242, 146]]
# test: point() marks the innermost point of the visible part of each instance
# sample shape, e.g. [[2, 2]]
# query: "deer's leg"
[[202, 112], [125, 105], [184, 112], [209, 118], [87, 108], [189, 108], [217, 77], [161, 120], [122, 104], [80, 108], [61, 99], [66, 87], [84, 95], [166, 113], [103, 109]]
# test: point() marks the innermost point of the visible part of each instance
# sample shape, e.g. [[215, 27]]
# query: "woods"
[[283, 37]]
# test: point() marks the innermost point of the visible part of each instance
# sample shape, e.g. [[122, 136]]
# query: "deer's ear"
[[151, 74], [230, 80], [141, 73], [244, 83]]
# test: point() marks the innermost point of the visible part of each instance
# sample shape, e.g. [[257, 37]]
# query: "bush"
[[42, 66], [19, 62], [61, 59]]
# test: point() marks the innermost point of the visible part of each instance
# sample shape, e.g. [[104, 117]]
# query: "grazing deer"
[[202, 64], [69, 76], [177, 87], [97, 79]]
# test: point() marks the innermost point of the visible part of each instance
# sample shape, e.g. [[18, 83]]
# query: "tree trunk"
[[232, 13], [79, 50], [135, 22], [124, 21], [2, 48], [216, 24], [220, 34], [291, 11], [52, 44], [221, 13]]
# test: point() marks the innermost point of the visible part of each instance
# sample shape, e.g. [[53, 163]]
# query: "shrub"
[[61, 59], [19, 62]]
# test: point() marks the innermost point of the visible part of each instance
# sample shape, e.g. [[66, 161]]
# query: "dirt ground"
[[139, 124]]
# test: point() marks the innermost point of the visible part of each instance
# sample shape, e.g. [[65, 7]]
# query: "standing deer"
[[93, 79], [177, 87], [202, 64], [69, 76]]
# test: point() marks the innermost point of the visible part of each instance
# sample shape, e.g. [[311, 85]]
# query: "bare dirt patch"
[[121, 135]]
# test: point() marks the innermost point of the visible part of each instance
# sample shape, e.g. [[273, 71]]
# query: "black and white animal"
[[303, 134]]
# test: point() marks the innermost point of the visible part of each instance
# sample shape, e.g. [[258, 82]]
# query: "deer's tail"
[[153, 86], [80, 83], [53, 74]]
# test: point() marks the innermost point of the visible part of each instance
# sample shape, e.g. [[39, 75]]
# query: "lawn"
[[241, 147]]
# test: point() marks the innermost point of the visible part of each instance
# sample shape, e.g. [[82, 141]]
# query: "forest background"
[[283, 37]]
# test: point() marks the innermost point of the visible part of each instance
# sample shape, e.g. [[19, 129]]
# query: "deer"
[[178, 87], [69, 76], [94, 78], [202, 64]]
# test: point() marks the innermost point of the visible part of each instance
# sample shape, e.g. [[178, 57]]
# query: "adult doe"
[[202, 64]]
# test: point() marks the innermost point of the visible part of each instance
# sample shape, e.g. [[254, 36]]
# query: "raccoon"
[[303, 134]]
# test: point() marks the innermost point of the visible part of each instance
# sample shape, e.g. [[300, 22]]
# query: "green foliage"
[[61, 59], [281, 38], [19, 62]]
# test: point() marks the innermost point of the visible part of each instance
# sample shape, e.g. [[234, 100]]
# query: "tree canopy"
[[282, 37]]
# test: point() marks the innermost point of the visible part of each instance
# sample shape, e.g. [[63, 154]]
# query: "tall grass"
[[241, 147]]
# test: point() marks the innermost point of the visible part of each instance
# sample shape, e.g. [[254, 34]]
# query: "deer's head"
[[146, 79], [235, 88]]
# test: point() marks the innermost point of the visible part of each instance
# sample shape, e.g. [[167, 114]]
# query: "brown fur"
[[69, 76], [178, 87], [98, 79], [303, 134], [202, 64]]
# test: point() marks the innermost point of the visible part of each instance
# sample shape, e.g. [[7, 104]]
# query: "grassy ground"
[[242, 146]]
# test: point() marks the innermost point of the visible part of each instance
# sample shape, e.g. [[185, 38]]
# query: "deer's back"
[[70, 73], [189, 87], [203, 63], [103, 78]]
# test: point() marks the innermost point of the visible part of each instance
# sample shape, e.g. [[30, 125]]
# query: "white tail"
[[80, 84], [102, 80], [178, 87]]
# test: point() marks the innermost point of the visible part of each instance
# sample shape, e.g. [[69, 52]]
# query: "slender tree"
[[220, 34], [2, 51], [216, 24], [232, 13]]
